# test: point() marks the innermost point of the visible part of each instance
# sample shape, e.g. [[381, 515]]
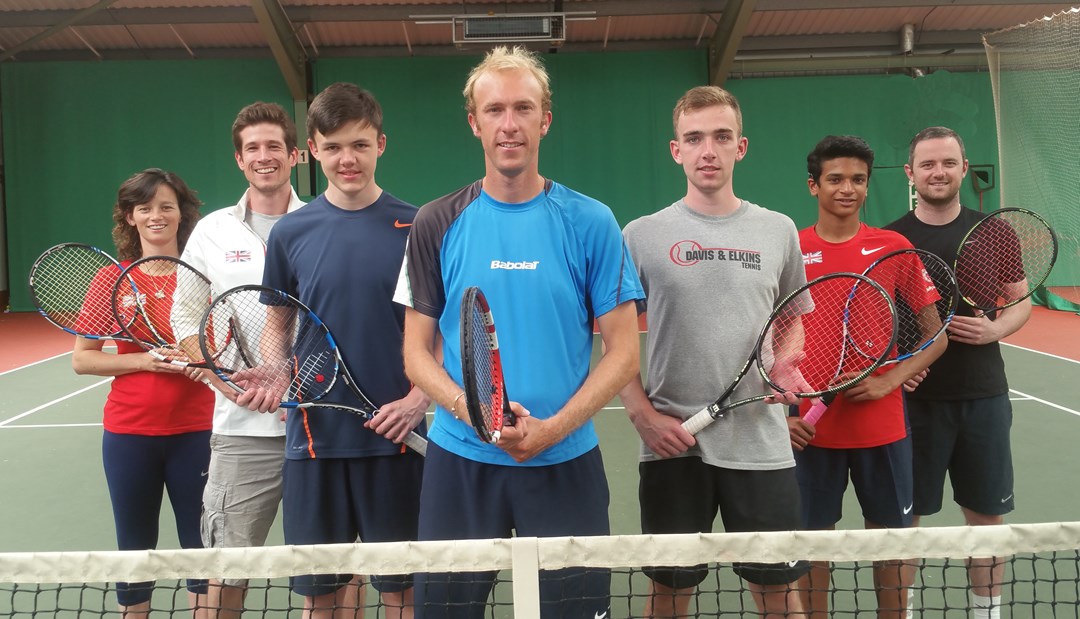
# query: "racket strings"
[[484, 367], [809, 345], [1004, 259], [924, 290], [290, 352], [72, 287]]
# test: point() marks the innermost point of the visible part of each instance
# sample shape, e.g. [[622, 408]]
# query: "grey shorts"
[[243, 490]]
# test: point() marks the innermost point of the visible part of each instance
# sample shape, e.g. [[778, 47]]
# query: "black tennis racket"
[[924, 292], [481, 368], [1004, 258], [71, 285], [802, 348], [159, 302], [279, 345]]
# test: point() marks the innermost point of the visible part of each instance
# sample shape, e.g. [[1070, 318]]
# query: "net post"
[[525, 560]]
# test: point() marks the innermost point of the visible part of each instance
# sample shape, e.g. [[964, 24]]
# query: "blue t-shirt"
[[548, 267], [344, 266]]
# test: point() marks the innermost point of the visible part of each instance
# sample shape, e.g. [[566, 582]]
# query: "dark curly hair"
[[140, 189]]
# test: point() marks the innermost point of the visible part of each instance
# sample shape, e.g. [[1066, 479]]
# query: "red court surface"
[[26, 337]]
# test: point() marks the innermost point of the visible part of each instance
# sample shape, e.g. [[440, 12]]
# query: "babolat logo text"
[[528, 265]]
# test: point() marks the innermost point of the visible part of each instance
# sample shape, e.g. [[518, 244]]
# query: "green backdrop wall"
[[74, 131]]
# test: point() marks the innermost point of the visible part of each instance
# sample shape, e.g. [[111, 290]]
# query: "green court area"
[[56, 499]]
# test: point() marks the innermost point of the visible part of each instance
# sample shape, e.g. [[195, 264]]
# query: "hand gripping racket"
[[923, 289], [481, 368], [71, 285], [159, 301], [1004, 258], [803, 347], [281, 346]]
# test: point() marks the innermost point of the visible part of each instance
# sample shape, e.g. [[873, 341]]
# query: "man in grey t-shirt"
[[713, 266]]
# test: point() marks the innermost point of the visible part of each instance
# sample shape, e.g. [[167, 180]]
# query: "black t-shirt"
[[964, 371]]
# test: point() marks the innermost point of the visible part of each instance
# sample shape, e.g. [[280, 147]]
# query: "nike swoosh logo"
[[1006, 498], [907, 510], [204, 473], [398, 224], [792, 563], [602, 615], [867, 252]]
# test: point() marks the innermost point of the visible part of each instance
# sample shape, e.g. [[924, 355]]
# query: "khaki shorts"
[[243, 491]]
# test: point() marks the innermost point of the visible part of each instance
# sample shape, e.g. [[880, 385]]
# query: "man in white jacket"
[[243, 488]]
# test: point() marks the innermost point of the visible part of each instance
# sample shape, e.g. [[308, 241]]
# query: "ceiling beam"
[[74, 17], [883, 63], [286, 49], [403, 12], [727, 38]]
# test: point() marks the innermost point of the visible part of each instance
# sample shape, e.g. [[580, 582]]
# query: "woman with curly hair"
[[157, 421]]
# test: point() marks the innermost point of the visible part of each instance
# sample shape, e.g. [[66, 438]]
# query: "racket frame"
[[35, 282], [499, 400], [366, 410], [717, 410], [1032, 286], [141, 313]]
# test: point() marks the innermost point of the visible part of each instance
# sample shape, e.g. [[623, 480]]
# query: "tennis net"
[[1042, 571]]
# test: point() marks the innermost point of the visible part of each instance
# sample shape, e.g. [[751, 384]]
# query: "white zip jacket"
[[229, 253]]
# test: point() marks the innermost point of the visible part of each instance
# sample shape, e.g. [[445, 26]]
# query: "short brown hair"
[[503, 58], [140, 189], [264, 113], [934, 133], [340, 103], [701, 97]]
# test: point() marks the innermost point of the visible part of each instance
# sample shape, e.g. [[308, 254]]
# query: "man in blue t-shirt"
[[340, 255], [550, 261]]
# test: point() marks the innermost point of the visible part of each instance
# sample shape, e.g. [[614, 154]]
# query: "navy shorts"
[[138, 470], [341, 500], [465, 499], [881, 476], [683, 495], [969, 439]]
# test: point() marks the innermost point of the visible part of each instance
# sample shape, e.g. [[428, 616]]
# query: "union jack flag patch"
[[812, 257], [238, 255]]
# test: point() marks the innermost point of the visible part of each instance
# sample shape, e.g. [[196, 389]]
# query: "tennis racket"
[[280, 345], [71, 285], [159, 301], [1004, 258], [923, 288], [481, 368], [803, 347]]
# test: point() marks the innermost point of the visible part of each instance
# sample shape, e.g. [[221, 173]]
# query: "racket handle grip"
[[698, 422], [417, 443], [818, 409]]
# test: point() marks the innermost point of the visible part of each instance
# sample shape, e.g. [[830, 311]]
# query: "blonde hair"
[[701, 97], [503, 58]]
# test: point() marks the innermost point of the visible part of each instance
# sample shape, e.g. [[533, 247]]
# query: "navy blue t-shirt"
[[344, 265]]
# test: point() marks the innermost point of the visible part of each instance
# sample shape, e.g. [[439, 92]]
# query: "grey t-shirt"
[[261, 224], [710, 284]]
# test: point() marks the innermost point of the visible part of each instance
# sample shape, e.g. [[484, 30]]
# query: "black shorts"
[[969, 439], [683, 495], [340, 500], [881, 475]]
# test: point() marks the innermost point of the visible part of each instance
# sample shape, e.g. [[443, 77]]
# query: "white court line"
[[1039, 352], [54, 425], [56, 401], [1041, 401], [30, 365]]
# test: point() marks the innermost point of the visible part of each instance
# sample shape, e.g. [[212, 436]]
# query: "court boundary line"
[[1040, 352], [32, 364], [1045, 402], [56, 401]]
